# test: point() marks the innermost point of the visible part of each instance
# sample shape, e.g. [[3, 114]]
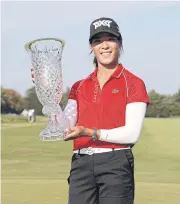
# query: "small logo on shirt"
[[115, 91]]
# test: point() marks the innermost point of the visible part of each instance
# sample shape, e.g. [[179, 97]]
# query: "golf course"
[[35, 172]]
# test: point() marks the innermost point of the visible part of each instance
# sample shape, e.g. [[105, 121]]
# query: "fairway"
[[35, 172]]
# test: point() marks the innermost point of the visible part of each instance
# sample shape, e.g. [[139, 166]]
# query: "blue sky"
[[150, 30]]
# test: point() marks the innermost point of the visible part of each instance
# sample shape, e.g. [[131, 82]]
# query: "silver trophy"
[[45, 55]]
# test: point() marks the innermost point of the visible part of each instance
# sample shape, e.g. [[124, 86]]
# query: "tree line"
[[161, 105]]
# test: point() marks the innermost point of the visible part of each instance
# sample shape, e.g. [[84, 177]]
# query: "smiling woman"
[[111, 40], [110, 107], [106, 48]]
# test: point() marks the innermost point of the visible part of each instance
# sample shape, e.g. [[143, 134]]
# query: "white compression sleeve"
[[128, 134], [70, 112]]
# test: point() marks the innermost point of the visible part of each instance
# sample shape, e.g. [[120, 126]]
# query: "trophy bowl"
[[45, 55]]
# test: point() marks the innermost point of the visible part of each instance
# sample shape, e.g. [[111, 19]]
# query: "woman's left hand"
[[74, 133]]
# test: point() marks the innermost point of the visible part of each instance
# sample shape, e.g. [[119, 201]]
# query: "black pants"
[[103, 178]]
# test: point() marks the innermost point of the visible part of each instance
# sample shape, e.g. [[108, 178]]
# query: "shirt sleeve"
[[70, 112], [136, 91], [73, 91], [128, 134]]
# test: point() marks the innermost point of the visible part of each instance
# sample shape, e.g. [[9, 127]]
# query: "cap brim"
[[104, 31]]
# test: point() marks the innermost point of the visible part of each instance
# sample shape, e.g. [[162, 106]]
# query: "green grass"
[[35, 172]]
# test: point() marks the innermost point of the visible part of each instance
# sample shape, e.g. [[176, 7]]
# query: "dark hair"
[[121, 42], [95, 61]]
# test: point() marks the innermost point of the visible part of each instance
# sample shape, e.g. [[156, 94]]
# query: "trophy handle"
[[57, 124]]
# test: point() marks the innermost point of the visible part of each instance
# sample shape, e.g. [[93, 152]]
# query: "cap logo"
[[102, 23]]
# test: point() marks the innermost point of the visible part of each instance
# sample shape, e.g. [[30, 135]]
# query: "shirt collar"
[[116, 74]]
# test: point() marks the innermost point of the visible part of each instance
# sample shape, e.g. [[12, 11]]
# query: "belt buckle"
[[90, 150]]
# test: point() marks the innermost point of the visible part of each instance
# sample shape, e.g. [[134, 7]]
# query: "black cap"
[[104, 24]]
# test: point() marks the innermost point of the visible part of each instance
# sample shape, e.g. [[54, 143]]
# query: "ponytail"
[[95, 62]]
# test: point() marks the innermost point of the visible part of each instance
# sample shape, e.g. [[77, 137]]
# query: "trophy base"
[[56, 127], [47, 135]]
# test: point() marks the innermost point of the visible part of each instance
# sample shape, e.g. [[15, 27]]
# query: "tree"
[[175, 109], [11, 101], [163, 105]]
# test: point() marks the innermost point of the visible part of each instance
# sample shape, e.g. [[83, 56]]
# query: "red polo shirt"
[[106, 108]]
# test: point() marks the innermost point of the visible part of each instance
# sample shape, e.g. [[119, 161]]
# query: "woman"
[[106, 112], [111, 104]]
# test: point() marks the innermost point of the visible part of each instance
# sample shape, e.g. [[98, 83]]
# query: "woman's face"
[[106, 48]]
